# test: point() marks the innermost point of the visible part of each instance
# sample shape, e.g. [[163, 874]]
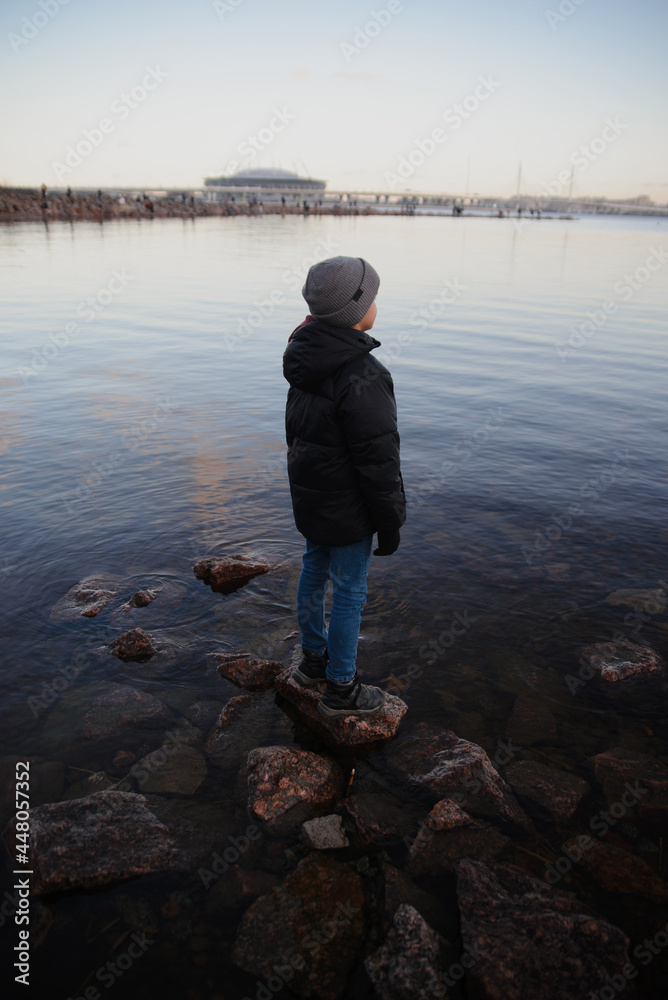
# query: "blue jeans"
[[347, 566]]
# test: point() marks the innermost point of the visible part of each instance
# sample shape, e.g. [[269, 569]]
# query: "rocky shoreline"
[[23, 205], [426, 860]]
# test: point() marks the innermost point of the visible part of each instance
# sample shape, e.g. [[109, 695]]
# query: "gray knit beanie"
[[340, 290]]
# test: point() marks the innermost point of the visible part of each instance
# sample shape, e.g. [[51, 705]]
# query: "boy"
[[343, 466]]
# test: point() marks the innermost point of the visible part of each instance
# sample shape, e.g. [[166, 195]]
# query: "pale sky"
[[333, 90]]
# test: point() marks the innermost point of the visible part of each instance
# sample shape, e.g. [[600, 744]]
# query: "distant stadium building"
[[269, 179]]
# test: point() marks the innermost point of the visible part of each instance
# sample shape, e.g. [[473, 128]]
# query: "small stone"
[[247, 671], [325, 832], [407, 966], [559, 792], [135, 645], [226, 574], [124, 758], [617, 661], [96, 782]]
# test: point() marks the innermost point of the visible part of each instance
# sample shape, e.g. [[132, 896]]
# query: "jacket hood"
[[317, 349]]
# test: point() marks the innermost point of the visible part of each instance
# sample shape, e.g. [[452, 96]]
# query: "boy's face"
[[366, 323]]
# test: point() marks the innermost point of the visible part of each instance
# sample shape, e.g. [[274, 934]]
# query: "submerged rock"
[[449, 834], [378, 816], [634, 779], [312, 924], [347, 730], [246, 671], [177, 770], [287, 786], [617, 661], [653, 602], [620, 871], [86, 598], [530, 722], [559, 792], [94, 841], [325, 832], [136, 645], [399, 888], [121, 708], [408, 966], [225, 574], [527, 942], [439, 763]]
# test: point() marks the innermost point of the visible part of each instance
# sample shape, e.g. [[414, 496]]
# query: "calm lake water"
[[142, 427]]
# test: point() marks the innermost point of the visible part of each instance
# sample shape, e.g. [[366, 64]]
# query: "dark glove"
[[388, 542]]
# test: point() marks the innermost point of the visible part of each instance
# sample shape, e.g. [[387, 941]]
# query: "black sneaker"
[[352, 698], [312, 668]]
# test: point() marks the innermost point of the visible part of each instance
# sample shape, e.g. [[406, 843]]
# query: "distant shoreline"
[[21, 205]]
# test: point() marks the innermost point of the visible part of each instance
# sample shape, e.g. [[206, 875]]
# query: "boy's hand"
[[388, 542]]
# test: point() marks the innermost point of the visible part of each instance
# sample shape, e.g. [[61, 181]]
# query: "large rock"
[[617, 661], [312, 924], [634, 779], [526, 942], [559, 792], [530, 722], [399, 888], [86, 598], [345, 731], [449, 834], [94, 841], [176, 770], [225, 574], [619, 871], [379, 818], [442, 765], [246, 671], [136, 645], [120, 707], [287, 786], [651, 601], [408, 965]]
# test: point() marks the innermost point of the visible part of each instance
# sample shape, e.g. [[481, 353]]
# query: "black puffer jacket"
[[343, 443]]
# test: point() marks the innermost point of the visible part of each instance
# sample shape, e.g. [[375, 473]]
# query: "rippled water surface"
[[142, 427]]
